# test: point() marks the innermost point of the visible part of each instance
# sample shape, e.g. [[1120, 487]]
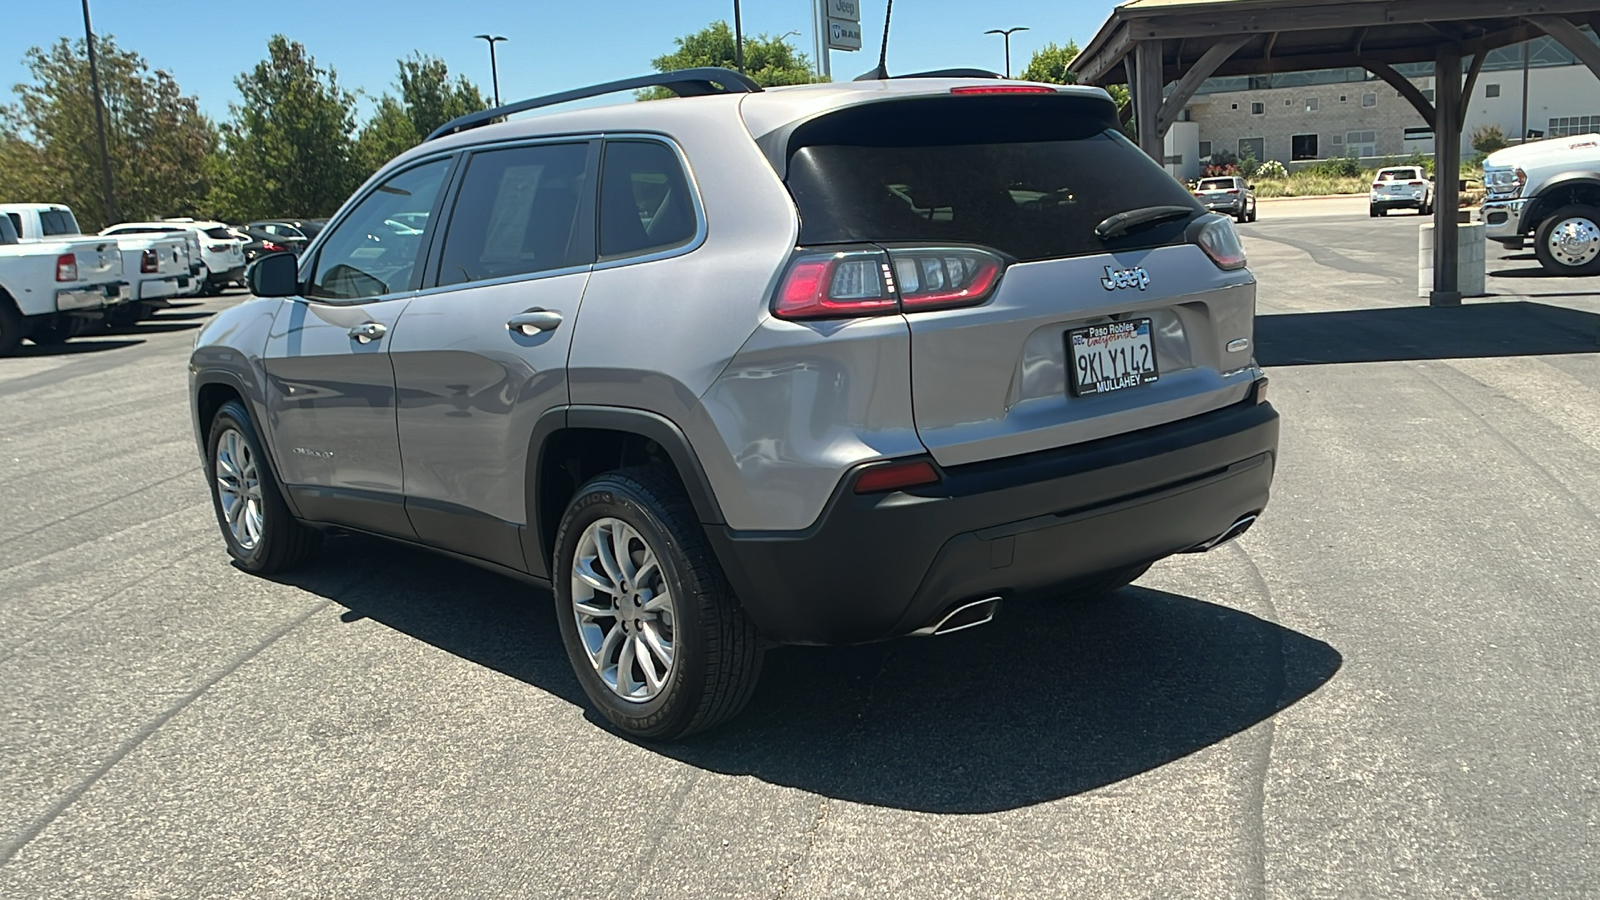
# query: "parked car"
[[259, 242], [154, 266], [1550, 191], [1230, 195], [1400, 187], [49, 291], [216, 254], [307, 229], [829, 383]]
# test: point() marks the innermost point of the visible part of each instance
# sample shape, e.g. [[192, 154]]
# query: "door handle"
[[367, 332], [533, 321]]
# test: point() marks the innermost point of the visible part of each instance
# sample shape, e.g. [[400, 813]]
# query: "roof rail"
[[951, 73], [683, 82]]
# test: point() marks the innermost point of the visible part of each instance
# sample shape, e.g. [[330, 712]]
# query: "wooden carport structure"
[[1149, 44]]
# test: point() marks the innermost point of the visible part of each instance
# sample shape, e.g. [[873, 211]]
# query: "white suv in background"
[[216, 254]]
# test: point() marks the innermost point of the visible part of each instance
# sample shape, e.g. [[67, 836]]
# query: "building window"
[[1236, 106], [1255, 148], [1303, 146], [1343, 98], [1205, 149], [1491, 90], [1361, 143], [1568, 126], [1175, 160], [1311, 104], [1369, 99], [1258, 108]]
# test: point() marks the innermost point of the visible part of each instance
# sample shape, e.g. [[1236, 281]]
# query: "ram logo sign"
[[1117, 279]]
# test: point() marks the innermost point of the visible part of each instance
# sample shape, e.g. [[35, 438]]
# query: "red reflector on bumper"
[[896, 476]]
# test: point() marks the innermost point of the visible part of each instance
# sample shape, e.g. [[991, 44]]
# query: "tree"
[[1487, 139], [156, 138], [1049, 64], [768, 61], [428, 99], [290, 148]]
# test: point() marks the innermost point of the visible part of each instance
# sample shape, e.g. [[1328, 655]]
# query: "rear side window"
[[518, 212], [57, 221], [645, 204], [1030, 176]]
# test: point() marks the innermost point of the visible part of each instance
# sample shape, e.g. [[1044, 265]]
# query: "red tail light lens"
[[896, 476], [1234, 191], [941, 278], [1415, 183], [874, 282], [149, 262], [1220, 242], [217, 248], [270, 247], [66, 267], [1003, 89]]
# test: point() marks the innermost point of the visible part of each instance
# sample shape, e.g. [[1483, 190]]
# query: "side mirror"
[[274, 275], [1250, 187]]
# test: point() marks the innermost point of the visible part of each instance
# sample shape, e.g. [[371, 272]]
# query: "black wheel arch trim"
[[1544, 202], [207, 377]]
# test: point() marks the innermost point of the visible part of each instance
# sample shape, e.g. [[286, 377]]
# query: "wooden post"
[[1146, 92], [1446, 175]]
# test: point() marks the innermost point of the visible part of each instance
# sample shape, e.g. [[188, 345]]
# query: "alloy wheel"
[[624, 609], [239, 489], [1575, 241]]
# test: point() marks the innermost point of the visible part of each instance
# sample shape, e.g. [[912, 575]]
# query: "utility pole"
[[100, 123], [494, 68], [738, 38], [1006, 33]]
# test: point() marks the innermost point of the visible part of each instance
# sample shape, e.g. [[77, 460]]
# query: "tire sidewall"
[[1541, 242], [233, 416], [618, 498]]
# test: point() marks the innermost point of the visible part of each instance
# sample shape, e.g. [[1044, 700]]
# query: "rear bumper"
[[884, 565], [1397, 202], [227, 276], [90, 298]]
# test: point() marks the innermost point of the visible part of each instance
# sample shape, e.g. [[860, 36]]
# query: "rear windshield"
[[1399, 175], [221, 234], [57, 221], [1028, 176], [1217, 184]]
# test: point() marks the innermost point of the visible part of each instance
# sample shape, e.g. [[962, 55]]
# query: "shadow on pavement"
[[1515, 328], [1052, 699]]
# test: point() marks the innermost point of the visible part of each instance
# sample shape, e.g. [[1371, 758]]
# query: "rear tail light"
[[66, 267], [270, 247], [1415, 183], [1003, 89], [1234, 191], [218, 248], [149, 262], [876, 282], [896, 476], [1220, 242]]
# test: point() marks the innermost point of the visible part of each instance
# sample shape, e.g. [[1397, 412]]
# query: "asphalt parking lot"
[[1387, 688]]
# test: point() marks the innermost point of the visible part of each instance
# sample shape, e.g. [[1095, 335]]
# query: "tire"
[[1372, 211], [279, 541], [129, 314], [1252, 212], [11, 327], [1242, 217], [715, 653], [55, 330], [1104, 583], [1579, 252]]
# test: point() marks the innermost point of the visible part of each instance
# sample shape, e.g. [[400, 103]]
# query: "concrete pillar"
[[1148, 81], [1446, 176]]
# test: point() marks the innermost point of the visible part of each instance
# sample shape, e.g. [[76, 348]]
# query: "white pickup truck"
[[50, 291], [156, 266], [1549, 190]]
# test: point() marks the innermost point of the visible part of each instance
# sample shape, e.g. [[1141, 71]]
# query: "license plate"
[[1111, 357], [1396, 189]]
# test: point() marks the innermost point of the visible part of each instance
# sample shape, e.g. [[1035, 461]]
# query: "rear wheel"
[[1372, 211], [261, 534], [55, 330], [651, 627], [1568, 241], [130, 314], [10, 326]]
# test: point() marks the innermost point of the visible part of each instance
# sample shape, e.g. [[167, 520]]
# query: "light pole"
[[494, 68], [100, 122], [738, 38], [1006, 33]]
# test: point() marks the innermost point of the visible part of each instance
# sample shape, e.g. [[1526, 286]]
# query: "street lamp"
[[100, 121], [1007, 32], [494, 69], [738, 39]]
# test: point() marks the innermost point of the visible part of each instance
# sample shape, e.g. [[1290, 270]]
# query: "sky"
[[553, 46]]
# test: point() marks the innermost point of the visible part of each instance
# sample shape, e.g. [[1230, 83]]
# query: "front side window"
[[645, 204], [517, 213], [376, 248]]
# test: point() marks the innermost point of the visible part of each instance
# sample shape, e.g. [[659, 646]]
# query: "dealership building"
[[1536, 88]]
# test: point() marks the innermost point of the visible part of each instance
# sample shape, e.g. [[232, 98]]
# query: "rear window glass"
[[1217, 184], [1398, 175], [221, 234], [57, 221], [1030, 177]]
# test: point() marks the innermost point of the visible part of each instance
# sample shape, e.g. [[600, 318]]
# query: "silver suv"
[[817, 364]]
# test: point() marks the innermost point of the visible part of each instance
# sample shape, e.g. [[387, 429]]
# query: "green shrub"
[[1337, 167], [1272, 169], [1487, 139]]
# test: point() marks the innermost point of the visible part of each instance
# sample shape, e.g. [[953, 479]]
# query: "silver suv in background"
[[817, 364]]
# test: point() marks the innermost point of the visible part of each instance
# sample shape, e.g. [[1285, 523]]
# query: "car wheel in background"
[[1568, 241], [1252, 211], [130, 314], [261, 534], [652, 628], [1372, 211], [56, 330], [11, 326]]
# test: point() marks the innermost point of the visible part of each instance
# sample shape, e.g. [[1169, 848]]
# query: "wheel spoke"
[[661, 602], [660, 649], [608, 646], [605, 547], [647, 568], [583, 570], [625, 682], [592, 610], [647, 664]]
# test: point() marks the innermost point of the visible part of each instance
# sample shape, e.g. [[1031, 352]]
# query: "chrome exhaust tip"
[[962, 616], [1237, 528]]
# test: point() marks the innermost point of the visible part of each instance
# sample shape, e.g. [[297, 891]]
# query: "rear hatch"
[[1077, 336]]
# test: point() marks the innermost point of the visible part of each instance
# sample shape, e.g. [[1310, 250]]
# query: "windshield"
[[1029, 181]]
